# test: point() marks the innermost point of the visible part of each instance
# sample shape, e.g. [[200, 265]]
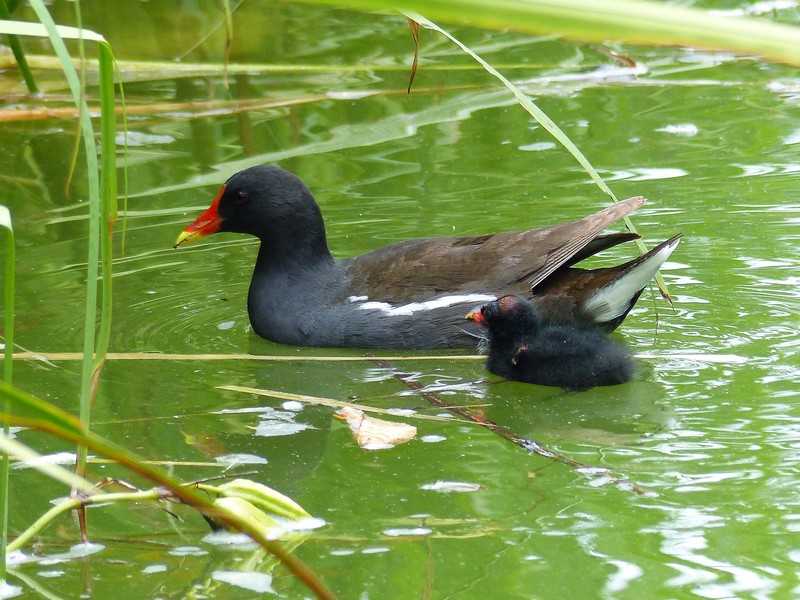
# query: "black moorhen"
[[413, 294], [523, 348]]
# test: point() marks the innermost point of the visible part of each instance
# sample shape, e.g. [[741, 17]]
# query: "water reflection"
[[710, 428]]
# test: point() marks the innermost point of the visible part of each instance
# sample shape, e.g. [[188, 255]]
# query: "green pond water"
[[710, 430]]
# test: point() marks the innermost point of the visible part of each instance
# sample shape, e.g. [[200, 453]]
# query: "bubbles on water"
[[188, 551], [446, 487], [538, 147], [260, 583], [8, 590], [274, 423], [407, 531], [232, 460], [684, 129], [645, 174], [157, 568], [138, 138], [756, 170]]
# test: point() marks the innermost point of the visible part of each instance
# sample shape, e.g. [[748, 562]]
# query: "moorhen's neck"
[[292, 241], [294, 248], [284, 259]]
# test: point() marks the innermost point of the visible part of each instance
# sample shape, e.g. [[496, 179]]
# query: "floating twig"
[[529, 445]]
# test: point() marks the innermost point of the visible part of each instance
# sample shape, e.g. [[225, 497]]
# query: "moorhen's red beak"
[[206, 224], [476, 316]]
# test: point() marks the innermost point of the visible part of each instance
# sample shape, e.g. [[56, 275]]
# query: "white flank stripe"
[[412, 307]]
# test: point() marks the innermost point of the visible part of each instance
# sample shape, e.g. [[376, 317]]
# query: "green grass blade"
[[23, 28], [19, 53], [108, 191], [226, 5], [125, 187], [92, 173], [102, 193], [8, 306], [30, 409], [8, 295], [632, 21]]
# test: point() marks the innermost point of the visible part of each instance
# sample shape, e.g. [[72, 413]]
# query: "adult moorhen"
[[413, 294], [523, 348]]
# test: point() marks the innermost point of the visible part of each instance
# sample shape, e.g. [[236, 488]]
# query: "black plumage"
[[411, 294], [523, 348]]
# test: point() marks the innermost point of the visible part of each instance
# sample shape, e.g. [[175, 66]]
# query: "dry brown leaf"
[[415, 33], [375, 434]]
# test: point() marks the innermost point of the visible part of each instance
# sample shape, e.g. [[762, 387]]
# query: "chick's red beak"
[[476, 316], [206, 224]]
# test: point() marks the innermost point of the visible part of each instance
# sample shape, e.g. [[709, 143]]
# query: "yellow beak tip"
[[185, 237]]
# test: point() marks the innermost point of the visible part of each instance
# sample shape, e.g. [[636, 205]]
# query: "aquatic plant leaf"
[[264, 497], [247, 512]]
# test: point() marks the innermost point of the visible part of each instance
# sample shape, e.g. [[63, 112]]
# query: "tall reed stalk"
[[8, 365], [16, 48], [102, 184]]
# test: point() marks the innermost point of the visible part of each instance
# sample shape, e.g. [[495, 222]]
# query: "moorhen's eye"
[[241, 197]]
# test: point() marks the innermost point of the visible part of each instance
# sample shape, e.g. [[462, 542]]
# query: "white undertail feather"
[[611, 301]]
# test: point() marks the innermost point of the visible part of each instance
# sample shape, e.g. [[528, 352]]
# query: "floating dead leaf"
[[375, 434]]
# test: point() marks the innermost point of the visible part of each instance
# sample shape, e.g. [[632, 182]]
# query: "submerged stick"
[[526, 444]]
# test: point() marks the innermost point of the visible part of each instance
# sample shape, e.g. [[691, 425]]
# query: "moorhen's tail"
[[610, 303]]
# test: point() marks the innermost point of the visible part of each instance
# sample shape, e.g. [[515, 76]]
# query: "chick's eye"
[[241, 197]]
